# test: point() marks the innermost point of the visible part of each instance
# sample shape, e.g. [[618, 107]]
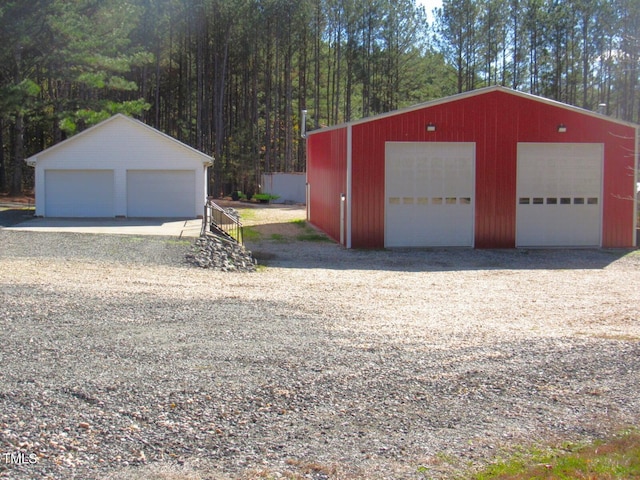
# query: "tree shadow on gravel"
[[116, 249], [14, 215], [285, 250]]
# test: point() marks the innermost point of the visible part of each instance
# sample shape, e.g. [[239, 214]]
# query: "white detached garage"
[[120, 167]]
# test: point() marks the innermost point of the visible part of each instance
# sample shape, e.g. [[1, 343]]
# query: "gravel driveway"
[[121, 361]]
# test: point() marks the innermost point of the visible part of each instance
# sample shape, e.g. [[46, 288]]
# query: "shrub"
[[265, 197]]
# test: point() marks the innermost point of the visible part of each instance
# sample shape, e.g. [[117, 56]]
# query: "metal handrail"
[[217, 219]]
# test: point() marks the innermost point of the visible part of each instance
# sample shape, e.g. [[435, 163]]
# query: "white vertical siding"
[[290, 187], [122, 144]]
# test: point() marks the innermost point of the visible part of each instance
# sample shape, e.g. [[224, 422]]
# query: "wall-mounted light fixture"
[[431, 127], [562, 128]]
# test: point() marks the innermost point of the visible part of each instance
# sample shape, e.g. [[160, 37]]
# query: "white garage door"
[[79, 193], [559, 195], [429, 194], [161, 193]]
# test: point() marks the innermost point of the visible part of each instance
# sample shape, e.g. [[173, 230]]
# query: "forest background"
[[231, 77]]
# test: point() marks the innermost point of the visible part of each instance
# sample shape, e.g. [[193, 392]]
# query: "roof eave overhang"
[[473, 93], [206, 159]]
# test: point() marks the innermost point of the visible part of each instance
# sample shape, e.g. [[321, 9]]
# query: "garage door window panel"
[[558, 187], [438, 178]]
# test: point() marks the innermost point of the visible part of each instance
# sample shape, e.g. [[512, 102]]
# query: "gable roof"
[[474, 93], [206, 159]]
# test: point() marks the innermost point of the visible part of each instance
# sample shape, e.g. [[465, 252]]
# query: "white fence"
[[290, 187]]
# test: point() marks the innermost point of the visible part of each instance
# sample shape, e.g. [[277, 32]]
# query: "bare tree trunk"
[[268, 108], [288, 110], [220, 75], [18, 155], [201, 38], [3, 170], [316, 71], [156, 97], [337, 73], [367, 52], [302, 98], [18, 134]]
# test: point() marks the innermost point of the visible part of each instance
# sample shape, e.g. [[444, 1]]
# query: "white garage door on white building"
[[559, 194], [79, 193], [161, 193], [120, 168], [429, 194]]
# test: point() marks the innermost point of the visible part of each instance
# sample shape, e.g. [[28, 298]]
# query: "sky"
[[429, 5]]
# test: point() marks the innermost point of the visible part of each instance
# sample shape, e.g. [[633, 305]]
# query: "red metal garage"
[[491, 168]]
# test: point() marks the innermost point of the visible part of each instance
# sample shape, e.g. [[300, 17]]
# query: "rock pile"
[[232, 212], [218, 253]]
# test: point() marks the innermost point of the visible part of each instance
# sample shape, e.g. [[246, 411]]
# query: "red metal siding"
[[367, 189], [326, 175], [496, 121], [619, 189], [474, 119], [538, 122]]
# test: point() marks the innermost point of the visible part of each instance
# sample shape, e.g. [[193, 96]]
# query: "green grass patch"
[[309, 234], [614, 458], [278, 237], [251, 234], [235, 234], [246, 214], [312, 237], [300, 222]]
